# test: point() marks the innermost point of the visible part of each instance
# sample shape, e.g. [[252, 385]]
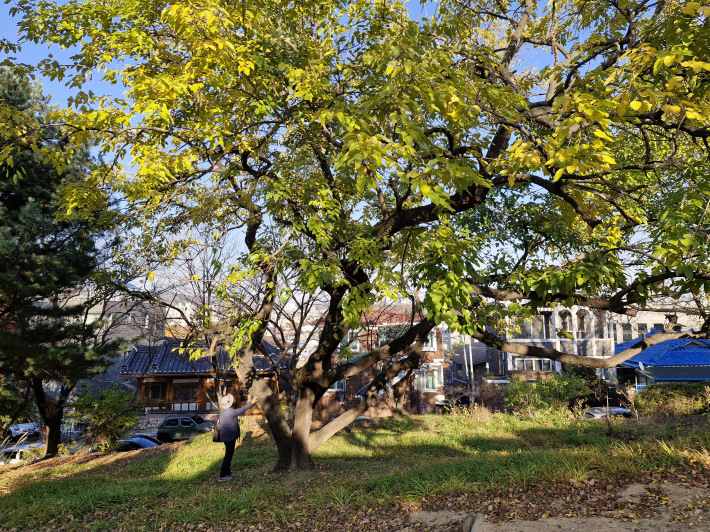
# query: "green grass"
[[394, 461]]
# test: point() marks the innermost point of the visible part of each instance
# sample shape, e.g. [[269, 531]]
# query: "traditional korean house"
[[168, 381]]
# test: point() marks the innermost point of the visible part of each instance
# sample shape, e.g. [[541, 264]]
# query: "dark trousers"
[[227, 462]]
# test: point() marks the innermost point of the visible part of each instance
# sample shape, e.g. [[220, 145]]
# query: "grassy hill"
[[379, 467]]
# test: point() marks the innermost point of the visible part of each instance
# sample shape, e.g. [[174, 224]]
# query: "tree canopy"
[[497, 151]]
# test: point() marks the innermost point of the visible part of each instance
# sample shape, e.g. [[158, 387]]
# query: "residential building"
[[169, 381], [680, 360]]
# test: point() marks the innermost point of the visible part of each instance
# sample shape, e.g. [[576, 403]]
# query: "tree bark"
[[52, 412], [300, 451]]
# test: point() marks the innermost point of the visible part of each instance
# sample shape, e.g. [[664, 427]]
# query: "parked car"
[[148, 437], [135, 443], [462, 401], [31, 430], [15, 455], [182, 427], [600, 412]]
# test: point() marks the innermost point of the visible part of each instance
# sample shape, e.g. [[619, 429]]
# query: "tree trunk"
[[52, 411], [300, 452], [53, 437]]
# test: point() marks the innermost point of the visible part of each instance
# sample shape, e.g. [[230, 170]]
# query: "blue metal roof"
[[680, 352]]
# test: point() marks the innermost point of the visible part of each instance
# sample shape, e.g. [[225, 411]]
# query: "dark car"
[[182, 428], [134, 444]]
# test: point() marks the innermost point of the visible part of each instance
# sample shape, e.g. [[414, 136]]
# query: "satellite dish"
[[641, 366]]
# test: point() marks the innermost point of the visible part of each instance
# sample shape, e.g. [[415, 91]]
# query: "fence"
[[640, 387]]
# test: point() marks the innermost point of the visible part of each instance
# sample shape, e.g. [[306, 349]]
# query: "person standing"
[[229, 432]]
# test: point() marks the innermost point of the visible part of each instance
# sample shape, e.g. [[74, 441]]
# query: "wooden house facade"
[[168, 381]]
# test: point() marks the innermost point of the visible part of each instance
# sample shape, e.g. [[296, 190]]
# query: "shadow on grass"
[[168, 483], [419, 457]]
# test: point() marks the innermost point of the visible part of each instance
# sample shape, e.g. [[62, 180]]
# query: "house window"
[[338, 386], [565, 320], [626, 333], [430, 344], [458, 370], [185, 393], [387, 333], [643, 329], [154, 392], [533, 364], [658, 327], [429, 379], [351, 341]]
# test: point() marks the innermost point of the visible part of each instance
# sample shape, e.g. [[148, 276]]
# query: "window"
[[658, 326], [626, 332], [677, 328], [338, 386], [532, 364], [387, 333], [429, 379], [185, 393], [525, 330], [351, 341], [171, 423], [459, 370], [128, 318], [156, 391], [565, 320], [430, 344], [147, 321], [185, 422], [582, 321], [643, 329]]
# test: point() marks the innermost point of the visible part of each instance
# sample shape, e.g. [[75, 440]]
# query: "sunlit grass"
[[393, 461]]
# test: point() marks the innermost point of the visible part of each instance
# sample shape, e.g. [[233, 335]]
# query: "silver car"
[[29, 430], [600, 412], [15, 455]]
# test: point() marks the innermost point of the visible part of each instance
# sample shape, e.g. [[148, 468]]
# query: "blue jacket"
[[229, 422]]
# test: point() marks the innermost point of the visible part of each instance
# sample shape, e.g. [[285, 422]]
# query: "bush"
[[109, 413], [674, 399], [555, 393]]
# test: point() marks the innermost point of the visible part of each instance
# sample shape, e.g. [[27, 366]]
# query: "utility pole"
[[469, 369], [465, 364]]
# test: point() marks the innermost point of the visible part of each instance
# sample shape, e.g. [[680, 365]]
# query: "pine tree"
[[45, 342]]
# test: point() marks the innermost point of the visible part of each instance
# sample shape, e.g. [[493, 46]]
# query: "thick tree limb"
[[590, 302], [568, 358]]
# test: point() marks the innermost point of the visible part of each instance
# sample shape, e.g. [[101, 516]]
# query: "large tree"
[[498, 151], [46, 344]]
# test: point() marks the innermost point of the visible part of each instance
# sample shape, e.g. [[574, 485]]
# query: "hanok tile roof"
[[164, 359]]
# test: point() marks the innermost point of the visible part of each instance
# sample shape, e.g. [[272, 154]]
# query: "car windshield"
[[197, 419]]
